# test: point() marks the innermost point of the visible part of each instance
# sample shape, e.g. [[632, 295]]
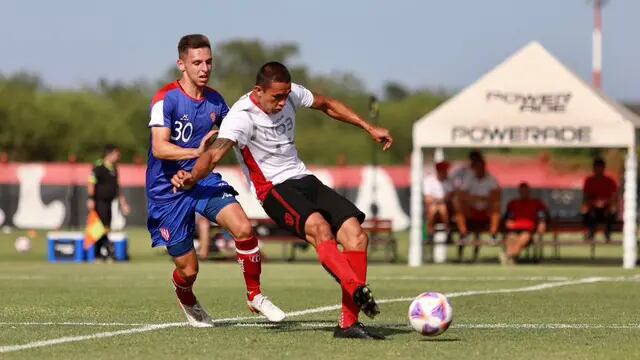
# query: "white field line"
[[22, 277], [538, 287], [67, 323], [464, 326], [329, 324], [153, 327], [547, 326], [68, 339], [472, 278], [633, 278]]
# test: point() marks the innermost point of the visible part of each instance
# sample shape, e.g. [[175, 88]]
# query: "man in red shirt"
[[525, 215], [600, 200]]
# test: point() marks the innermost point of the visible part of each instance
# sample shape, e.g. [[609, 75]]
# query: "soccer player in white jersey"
[[261, 126]]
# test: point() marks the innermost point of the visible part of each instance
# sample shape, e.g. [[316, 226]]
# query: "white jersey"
[[266, 142], [433, 187]]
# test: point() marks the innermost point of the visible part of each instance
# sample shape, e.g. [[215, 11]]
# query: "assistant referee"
[[102, 189]]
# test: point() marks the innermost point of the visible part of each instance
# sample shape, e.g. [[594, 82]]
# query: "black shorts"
[[290, 203], [103, 208]]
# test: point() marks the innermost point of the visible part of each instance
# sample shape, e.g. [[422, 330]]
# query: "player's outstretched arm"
[[163, 149], [204, 165], [339, 111]]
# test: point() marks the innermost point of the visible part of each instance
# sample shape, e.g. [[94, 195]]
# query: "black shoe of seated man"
[[363, 297], [356, 331]]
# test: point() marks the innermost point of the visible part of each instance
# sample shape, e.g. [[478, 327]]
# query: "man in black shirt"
[[102, 189]]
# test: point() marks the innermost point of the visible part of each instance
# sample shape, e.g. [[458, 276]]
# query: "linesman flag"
[[95, 229]]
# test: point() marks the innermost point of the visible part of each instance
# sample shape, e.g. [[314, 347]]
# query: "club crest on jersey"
[[166, 235], [213, 116]]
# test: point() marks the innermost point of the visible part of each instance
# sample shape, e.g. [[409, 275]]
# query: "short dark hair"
[[108, 149], [598, 162], [192, 41], [478, 160], [475, 155], [272, 72], [523, 184]]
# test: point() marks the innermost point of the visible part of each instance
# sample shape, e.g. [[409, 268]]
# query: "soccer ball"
[[22, 244], [430, 313]]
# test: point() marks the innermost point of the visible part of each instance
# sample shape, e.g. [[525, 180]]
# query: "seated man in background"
[[457, 176], [599, 204], [524, 216], [477, 203], [438, 192]]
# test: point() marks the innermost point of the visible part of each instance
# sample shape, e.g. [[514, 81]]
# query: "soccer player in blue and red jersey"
[[183, 115]]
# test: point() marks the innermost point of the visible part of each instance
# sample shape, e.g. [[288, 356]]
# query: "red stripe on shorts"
[[289, 208]]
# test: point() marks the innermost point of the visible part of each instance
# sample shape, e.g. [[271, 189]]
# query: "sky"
[[419, 43]]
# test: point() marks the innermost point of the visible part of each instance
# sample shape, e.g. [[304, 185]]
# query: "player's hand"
[[381, 136], [91, 204], [181, 181], [206, 141], [126, 210]]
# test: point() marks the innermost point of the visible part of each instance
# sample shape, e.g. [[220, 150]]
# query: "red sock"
[[336, 264], [184, 288], [251, 264], [358, 262]]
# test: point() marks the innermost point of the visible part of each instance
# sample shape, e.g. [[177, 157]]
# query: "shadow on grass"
[[440, 339], [316, 325]]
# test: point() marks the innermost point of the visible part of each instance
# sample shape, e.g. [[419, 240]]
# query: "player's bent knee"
[[320, 231], [357, 241], [189, 273], [243, 231]]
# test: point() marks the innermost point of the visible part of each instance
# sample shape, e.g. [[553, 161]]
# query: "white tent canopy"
[[530, 100]]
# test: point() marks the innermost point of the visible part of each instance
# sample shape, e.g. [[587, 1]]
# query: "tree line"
[[39, 123]]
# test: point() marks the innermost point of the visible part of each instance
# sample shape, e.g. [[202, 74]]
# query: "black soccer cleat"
[[363, 297], [356, 331]]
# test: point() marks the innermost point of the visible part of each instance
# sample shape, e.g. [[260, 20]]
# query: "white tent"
[[530, 100]]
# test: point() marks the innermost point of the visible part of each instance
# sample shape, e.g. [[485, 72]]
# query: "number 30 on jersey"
[[182, 131]]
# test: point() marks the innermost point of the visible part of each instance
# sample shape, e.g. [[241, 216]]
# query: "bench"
[[380, 231], [558, 227], [475, 230], [535, 251]]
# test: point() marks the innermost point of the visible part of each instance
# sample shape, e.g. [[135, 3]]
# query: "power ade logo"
[[537, 103], [522, 134]]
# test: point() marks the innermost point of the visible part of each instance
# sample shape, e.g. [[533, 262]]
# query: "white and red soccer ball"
[[430, 313]]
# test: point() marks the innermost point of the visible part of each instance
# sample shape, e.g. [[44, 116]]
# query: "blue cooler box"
[[120, 241], [65, 246]]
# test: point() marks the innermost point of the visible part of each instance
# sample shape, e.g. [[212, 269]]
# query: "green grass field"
[[127, 310]]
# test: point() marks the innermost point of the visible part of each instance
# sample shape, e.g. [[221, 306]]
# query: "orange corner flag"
[[94, 230]]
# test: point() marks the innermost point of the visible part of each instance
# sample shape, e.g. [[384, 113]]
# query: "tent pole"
[[415, 241], [630, 237]]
